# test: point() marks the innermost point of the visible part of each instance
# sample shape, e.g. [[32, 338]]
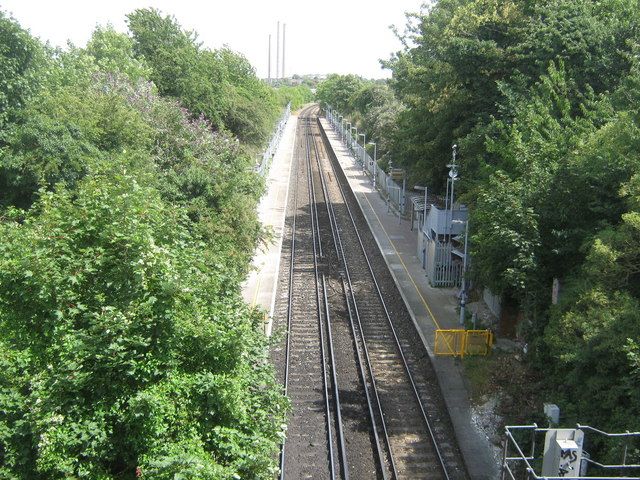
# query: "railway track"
[[362, 403]]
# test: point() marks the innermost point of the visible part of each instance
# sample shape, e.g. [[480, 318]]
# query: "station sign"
[[396, 173]]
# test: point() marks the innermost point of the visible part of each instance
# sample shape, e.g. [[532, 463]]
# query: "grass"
[[478, 371]]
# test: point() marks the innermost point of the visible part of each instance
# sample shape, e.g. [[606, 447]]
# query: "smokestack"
[[284, 34], [278, 52], [269, 61]]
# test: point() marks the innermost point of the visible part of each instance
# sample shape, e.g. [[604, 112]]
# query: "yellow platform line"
[[424, 301]]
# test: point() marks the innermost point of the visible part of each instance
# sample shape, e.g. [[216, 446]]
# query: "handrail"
[[268, 154], [525, 460]]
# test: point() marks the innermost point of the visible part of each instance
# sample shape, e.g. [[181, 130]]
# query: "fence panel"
[[478, 342], [458, 342], [387, 186], [267, 155], [449, 342]]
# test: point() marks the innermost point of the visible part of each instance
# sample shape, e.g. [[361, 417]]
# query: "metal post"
[[453, 175], [351, 134], [389, 193], [463, 295], [375, 164], [453, 182], [424, 210], [504, 458], [404, 196], [364, 142]]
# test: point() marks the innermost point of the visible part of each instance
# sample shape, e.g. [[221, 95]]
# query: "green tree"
[[221, 84], [21, 58], [593, 336], [338, 91], [122, 345], [113, 52], [297, 96], [506, 239]]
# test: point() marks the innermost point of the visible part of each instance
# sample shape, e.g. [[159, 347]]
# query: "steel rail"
[[342, 259], [390, 323], [290, 310], [351, 301], [336, 394], [316, 240], [312, 185]]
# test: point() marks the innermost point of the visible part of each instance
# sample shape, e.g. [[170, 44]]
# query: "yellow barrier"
[[463, 342]]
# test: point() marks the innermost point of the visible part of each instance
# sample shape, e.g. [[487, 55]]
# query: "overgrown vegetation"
[[127, 218], [543, 99], [370, 104]]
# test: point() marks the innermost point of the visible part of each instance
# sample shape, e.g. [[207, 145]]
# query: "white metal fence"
[[267, 155], [394, 193]]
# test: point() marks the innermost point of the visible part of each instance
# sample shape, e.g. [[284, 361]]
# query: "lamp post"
[[401, 208], [364, 142], [388, 192], [351, 134], [342, 128], [463, 293], [453, 176], [375, 162], [348, 130]]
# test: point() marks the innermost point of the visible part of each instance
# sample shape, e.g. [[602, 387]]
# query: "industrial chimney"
[[284, 33], [278, 51]]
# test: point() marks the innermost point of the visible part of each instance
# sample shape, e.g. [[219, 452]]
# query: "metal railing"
[[268, 154], [516, 464], [394, 193], [459, 342]]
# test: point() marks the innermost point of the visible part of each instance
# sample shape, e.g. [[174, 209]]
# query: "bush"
[[121, 348]]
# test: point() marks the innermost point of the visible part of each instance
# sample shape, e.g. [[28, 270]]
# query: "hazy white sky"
[[330, 36]]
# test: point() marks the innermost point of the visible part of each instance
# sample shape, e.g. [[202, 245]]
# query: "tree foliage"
[[21, 57], [128, 222], [542, 99], [297, 96], [221, 84], [370, 105], [122, 346]]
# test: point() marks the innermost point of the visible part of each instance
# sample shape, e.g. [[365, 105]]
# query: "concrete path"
[[260, 287], [431, 308]]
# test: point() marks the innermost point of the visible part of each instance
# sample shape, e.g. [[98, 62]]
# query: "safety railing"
[[459, 342], [526, 448], [394, 193], [268, 154]]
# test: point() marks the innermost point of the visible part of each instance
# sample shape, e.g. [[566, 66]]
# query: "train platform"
[[260, 286], [430, 308]]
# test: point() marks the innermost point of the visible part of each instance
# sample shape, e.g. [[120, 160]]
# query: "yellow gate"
[[463, 342]]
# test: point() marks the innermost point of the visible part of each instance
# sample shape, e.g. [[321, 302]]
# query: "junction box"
[[562, 453]]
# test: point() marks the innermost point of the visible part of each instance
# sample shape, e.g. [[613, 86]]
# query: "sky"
[[330, 36]]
